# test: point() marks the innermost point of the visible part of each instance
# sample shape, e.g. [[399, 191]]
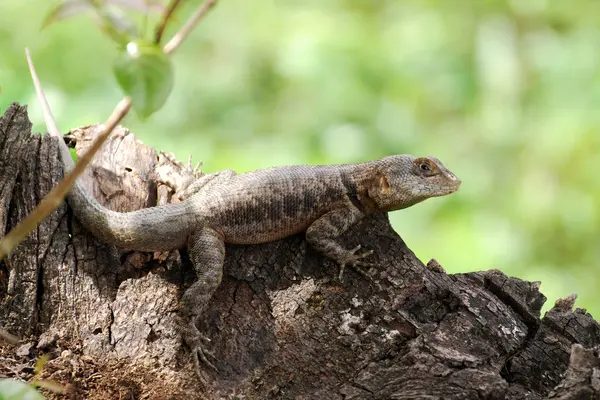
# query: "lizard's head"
[[404, 180]]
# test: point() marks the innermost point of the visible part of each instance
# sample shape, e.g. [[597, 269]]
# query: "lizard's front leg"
[[322, 233], [207, 252]]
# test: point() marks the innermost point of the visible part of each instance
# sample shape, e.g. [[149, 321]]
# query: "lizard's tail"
[[150, 229]]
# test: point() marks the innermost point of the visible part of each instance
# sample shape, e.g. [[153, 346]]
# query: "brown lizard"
[[258, 207], [263, 206]]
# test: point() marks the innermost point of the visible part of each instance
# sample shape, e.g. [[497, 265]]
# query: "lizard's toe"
[[365, 264], [342, 269], [196, 341], [354, 250], [354, 260], [201, 355], [356, 267], [363, 255]]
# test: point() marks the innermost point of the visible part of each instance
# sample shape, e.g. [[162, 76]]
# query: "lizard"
[[258, 207]]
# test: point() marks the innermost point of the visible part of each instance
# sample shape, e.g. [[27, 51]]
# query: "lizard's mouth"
[[451, 188]]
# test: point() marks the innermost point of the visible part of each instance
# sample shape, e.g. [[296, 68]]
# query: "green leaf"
[[11, 389], [39, 364], [49, 385], [145, 74], [66, 9]]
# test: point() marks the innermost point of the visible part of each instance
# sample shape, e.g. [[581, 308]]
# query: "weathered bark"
[[281, 325]]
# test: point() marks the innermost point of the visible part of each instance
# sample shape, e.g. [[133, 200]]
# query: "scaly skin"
[[263, 206]]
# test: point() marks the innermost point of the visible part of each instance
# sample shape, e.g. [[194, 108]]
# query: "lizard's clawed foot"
[[196, 342], [354, 261], [200, 355]]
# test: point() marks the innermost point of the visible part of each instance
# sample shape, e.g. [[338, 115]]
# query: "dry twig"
[[160, 29]]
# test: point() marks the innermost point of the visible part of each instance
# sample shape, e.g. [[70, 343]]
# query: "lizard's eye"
[[425, 167]]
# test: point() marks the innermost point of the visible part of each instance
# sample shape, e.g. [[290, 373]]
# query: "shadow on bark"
[[281, 324]]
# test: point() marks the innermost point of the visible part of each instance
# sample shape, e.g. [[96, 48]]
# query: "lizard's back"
[[273, 203]]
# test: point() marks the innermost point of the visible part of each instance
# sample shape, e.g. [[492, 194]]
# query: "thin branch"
[[48, 117], [54, 198], [160, 29], [186, 29]]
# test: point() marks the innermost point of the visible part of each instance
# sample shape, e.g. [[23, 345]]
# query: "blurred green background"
[[505, 93]]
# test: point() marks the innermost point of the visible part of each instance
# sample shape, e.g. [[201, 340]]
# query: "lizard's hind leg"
[[205, 183], [207, 252]]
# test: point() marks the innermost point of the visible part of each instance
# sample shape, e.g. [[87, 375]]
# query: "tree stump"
[[282, 325]]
